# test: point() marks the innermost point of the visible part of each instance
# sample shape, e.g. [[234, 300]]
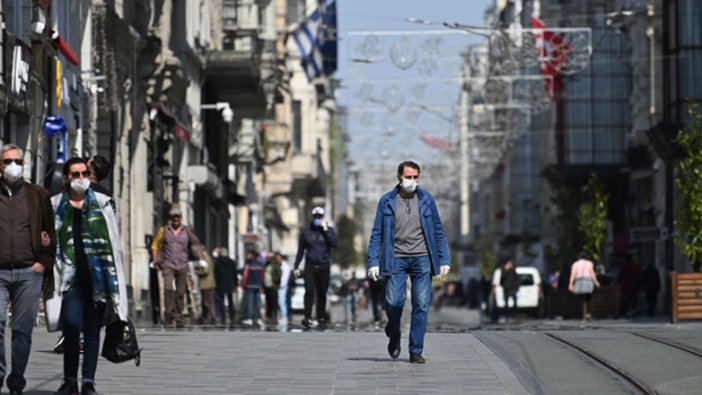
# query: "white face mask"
[[12, 173], [408, 185], [80, 185]]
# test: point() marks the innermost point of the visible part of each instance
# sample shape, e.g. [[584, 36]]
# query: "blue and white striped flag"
[[316, 39]]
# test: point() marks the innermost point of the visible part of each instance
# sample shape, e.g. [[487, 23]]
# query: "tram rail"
[[627, 379], [671, 343]]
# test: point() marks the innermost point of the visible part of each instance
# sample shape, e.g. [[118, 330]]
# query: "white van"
[[529, 296]]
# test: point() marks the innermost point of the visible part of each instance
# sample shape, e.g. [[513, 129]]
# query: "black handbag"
[[121, 343]]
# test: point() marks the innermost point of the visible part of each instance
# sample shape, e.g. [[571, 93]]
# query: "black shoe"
[[394, 347], [16, 392], [416, 358], [307, 323], [67, 389], [88, 389], [58, 347]]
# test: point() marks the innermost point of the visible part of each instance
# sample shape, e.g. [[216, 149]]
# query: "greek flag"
[[316, 39]]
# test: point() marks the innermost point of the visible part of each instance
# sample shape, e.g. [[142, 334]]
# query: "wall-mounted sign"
[[19, 76]]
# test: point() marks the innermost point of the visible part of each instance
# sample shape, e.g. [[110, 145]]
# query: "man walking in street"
[[315, 245], [226, 282], [175, 245], [252, 283], [407, 239], [509, 281], [99, 168], [271, 284], [26, 217]]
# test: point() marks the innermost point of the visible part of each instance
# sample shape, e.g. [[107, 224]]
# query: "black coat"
[[509, 280], [225, 274]]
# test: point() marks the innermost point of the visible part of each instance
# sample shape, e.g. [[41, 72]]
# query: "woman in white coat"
[[91, 277]]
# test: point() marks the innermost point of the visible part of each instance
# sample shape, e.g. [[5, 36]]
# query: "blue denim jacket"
[[381, 247]]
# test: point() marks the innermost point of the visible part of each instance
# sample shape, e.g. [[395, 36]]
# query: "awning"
[[62, 46], [166, 118]]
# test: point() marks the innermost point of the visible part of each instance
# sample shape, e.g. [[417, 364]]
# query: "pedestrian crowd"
[[66, 248]]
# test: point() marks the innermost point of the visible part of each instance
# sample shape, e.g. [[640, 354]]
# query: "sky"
[[401, 85]]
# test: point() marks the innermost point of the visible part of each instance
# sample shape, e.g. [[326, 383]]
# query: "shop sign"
[[19, 76]]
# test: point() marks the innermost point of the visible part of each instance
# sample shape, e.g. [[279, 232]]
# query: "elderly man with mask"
[[26, 217], [172, 248], [407, 239]]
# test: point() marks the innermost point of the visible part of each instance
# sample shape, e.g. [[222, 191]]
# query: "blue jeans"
[[253, 303], [283, 302], [23, 287], [419, 270], [80, 313]]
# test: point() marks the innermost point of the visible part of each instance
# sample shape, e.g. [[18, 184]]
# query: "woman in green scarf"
[[91, 281]]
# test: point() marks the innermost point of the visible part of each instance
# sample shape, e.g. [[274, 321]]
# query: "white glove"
[[202, 263], [444, 271], [374, 273], [297, 273]]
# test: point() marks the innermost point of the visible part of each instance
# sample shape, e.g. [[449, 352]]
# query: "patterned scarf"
[[96, 244]]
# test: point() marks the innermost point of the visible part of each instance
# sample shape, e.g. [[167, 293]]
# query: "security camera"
[[227, 114]]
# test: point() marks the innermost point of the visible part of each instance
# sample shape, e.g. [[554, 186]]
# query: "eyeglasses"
[[77, 174], [176, 216], [8, 161]]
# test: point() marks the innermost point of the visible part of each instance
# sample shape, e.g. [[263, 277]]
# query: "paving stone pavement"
[[254, 362]]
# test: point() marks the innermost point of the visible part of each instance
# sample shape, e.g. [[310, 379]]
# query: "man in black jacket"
[[226, 282], [510, 285], [315, 245]]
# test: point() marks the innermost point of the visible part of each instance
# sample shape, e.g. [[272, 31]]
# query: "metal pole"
[[464, 147]]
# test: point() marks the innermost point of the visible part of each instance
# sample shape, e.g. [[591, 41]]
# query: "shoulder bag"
[[120, 343]]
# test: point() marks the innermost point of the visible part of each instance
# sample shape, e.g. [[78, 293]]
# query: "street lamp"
[[227, 112], [228, 117]]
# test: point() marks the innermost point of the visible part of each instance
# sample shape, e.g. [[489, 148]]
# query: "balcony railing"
[[238, 16]]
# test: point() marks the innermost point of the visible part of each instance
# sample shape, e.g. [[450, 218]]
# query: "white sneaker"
[[247, 321]]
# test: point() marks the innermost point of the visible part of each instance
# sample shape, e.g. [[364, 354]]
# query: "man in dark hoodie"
[[315, 245]]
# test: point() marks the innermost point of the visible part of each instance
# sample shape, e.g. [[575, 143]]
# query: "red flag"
[[552, 53], [434, 141]]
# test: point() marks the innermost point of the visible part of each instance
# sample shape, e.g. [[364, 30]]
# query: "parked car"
[[529, 296], [297, 299]]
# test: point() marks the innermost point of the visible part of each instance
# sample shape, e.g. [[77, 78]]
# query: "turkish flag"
[[552, 52]]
